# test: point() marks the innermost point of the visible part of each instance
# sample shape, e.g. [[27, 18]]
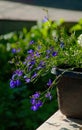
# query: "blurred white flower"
[[80, 40]]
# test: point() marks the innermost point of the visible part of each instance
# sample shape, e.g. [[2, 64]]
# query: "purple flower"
[[19, 72], [32, 62], [30, 51], [48, 95], [36, 95], [30, 67], [28, 58], [18, 82], [34, 75], [37, 105], [27, 80], [33, 101], [15, 83], [62, 45], [13, 51], [31, 42], [48, 51], [47, 57], [41, 65], [48, 54], [54, 53], [49, 82], [45, 19], [14, 76], [38, 68], [18, 50], [39, 47], [24, 62], [37, 54], [12, 83], [34, 108]]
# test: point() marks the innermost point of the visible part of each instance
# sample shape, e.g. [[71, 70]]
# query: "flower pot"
[[69, 91]]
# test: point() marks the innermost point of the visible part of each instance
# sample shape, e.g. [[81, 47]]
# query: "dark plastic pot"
[[69, 91]]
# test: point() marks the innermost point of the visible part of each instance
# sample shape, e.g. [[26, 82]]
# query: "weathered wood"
[[20, 11], [16, 15], [58, 121]]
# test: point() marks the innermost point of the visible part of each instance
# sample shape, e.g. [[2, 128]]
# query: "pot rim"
[[71, 73]]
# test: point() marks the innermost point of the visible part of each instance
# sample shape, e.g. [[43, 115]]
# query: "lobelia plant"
[[47, 46]]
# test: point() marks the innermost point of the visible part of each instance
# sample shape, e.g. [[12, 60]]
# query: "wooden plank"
[[58, 121]]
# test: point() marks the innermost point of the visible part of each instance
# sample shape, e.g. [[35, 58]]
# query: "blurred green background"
[[15, 105]]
